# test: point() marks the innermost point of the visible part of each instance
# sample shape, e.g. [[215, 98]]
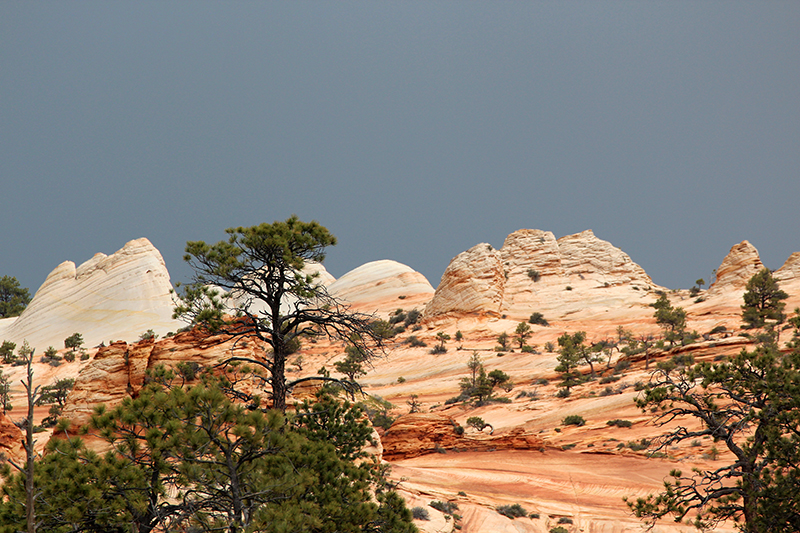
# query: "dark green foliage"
[[671, 319], [7, 352], [565, 520], [278, 303], [444, 507], [13, 298], [5, 392], [573, 420], [352, 365], [534, 274], [73, 342], [477, 422], [442, 337], [55, 395], [414, 342], [190, 460], [512, 511], [640, 445], [718, 329], [763, 302], [479, 386], [148, 335], [522, 332], [420, 513], [538, 319], [559, 529], [570, 355], [620, 423], [562, 393], [503, 339], [750, 404]]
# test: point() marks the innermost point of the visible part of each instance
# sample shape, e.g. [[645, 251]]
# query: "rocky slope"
[[571, 476]]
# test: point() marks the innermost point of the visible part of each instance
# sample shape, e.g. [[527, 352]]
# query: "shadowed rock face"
[[123, 294], [11, 438]]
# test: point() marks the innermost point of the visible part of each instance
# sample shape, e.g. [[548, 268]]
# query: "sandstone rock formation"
[[790, 271], [418, 434], [382, 287], [117, 296], [741, 264], [11, 438], [534, 271], [472, 283]]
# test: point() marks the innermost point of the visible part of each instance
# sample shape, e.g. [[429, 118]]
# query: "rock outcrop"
[[473, 282], [418, 434], [118, 370], [532, 271], [117, 296], [382, 286], [10, 440], [790, 271], [741, 264]]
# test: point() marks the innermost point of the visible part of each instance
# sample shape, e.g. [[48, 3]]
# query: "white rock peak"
[[118, 296]]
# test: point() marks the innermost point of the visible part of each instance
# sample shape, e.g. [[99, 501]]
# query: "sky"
[[411, 130]]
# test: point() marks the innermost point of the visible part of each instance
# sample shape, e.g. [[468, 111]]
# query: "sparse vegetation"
[[535, 275], [512, 511], [414, 342], [444, 507], [573, 420], [441, 337], [420, 513], [538, 318], [620, 423]]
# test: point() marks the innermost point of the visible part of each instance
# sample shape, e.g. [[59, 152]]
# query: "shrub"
[[420, 513], [7, 352], [620, 423], [564, 520], [622, 366], [382, 420], [149, 334], [560, 529], [538, 318], [528, 349], [573, 420], [569, 288], [412, 317], [414, 342], [401, 379], [444, 507], [74, 341], [84, 356], [609, 379], [608, 391], [541, 381], [639, 446], [69, 356], [438, 349], [563, 393], [535, 275], [534, 516], [718, 329], [512, 511], [549, 347]]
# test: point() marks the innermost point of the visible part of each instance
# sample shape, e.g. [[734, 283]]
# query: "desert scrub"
[[620, 423], [420, 513], [573, 420], [512, 511], [444, 507]]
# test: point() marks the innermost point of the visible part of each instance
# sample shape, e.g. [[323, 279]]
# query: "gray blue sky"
[[412, 130]]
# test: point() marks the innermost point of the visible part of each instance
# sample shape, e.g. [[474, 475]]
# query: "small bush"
[[438, 349], [639, 446], [569, 288], [382, 420], [608, 391], [539, 319], [549, 347], [149, 334], [535, 275], [622, 366], [573, 420], [512, 511], [84, 356], [609, 379], [462, 493], [401, 379], [528, 349], [718, 329], [563, 393], [564, 520], [541, 381], [444, 507], [69, 356], [414, 342], [559, 529], [620, 423], [420, 513]]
